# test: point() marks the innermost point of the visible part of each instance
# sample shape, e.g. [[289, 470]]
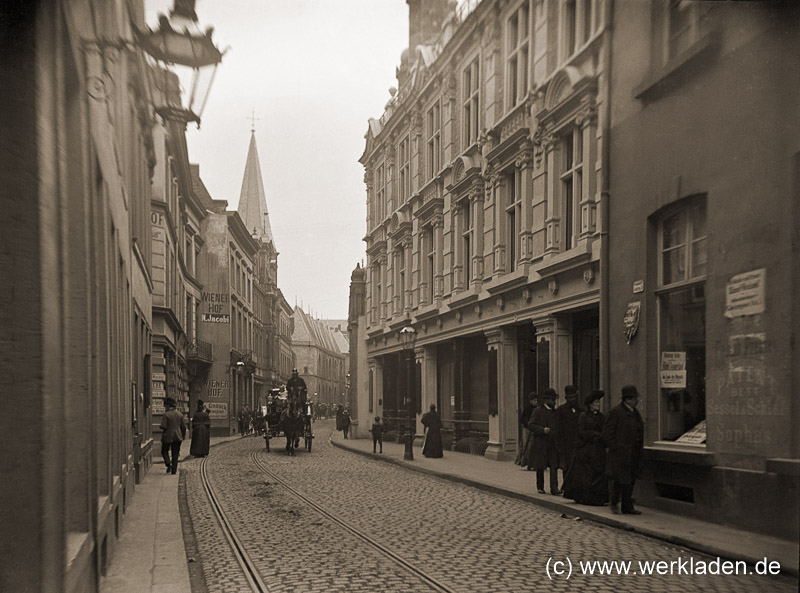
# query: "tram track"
[[248, 566]]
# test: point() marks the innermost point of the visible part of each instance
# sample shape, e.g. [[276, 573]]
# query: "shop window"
[[682, 327]]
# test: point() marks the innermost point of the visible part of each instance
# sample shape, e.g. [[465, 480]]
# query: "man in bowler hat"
[[173, 431], [544, 427], [623, 433]]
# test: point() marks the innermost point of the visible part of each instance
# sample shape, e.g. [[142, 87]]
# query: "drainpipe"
[[605, 363]]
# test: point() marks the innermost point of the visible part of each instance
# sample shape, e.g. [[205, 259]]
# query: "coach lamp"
[[408, 337], [186, 63]]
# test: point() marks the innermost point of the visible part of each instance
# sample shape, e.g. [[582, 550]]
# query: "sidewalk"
[[150, 555], [511, 480]]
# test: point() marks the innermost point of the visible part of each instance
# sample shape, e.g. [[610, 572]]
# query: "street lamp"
[[408, 336], [186, 62]]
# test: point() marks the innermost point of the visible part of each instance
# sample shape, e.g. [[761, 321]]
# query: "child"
[[377, 433]]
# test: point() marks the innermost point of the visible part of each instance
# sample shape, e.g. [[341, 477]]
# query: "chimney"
[[425, 20]]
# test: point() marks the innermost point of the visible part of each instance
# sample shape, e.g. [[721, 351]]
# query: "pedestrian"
[[346, 422], [623, 433], [544, 426], [568, 414], [339, 413], [432, 424], [201, 427], [377, 434], [525, 418], [586, 481], [173, 431]]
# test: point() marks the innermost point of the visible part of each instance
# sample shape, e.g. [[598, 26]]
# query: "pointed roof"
[[252, 200]]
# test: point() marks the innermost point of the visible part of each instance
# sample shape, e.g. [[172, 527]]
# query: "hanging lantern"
[[186, 62]]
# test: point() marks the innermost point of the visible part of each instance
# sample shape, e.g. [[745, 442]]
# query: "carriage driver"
[[296, 387]]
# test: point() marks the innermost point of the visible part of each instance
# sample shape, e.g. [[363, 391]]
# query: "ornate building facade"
[[320, 359], [485, 179]]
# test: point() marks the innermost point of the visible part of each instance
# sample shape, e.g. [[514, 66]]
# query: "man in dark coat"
[[544, 426], [623, 433], [568, 415], [296, 387], [525, 418], [173, 431], [433, 433]]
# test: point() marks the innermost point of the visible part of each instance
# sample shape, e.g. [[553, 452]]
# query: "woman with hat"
[[586, 481], [201, 426]]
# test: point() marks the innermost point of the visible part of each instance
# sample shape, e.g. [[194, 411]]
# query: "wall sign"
[[215, 317], [638, 286], [217, 410], [745, 294], [631, 320]]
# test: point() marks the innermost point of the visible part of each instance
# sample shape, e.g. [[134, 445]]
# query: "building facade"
[[485, 179], [703, 248], [286, 360], [319, 359], [76, 256], [227, 315], [176, 216]]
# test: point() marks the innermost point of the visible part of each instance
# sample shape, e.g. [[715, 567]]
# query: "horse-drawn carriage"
[[289, 414]]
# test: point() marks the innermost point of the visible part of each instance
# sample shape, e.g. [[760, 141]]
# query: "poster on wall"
[[157, 406], [631, 320], [217, 410], [745, 294], [673, 370]]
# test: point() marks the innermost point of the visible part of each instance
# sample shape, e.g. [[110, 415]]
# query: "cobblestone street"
[[467, 539]]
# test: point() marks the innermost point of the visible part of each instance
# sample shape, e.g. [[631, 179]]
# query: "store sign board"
[[217, 410], [215, 318], [157, 406], [745, 294], [159, 377], [638, 286]]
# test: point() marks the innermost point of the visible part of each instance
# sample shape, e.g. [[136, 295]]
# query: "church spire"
[[252, 199]]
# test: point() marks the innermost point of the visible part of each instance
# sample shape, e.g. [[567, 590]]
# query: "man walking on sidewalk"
[[173, 431], [623, 433]]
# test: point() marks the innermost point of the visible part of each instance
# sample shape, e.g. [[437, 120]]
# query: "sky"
[[314, 72]]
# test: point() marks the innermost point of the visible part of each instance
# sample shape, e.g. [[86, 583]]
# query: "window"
[[571, 184], [466, 217], [401, 278], [513, 218], [682, 310], [233, 272], [431, 257], [470, 114], [677, 25], [434, 141], [517, 43], [380, 193], [580, 21], [405, 169]]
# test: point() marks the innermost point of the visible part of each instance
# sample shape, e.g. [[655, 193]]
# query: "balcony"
[[200, 351]]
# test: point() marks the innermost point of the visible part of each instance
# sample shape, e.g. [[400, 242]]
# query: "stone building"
[[360, 398], [178, 355], [485, 179], [77, 168], [226, 268], [319, 358], [283, 340], [703, 273]]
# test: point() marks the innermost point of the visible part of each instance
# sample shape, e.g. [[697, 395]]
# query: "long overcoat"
[[623, 433], [544, 451], [567, 433]]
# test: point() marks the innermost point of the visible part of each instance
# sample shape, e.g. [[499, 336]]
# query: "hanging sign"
[[631, 320]]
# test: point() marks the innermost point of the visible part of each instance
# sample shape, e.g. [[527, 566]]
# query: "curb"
[[572, 511]]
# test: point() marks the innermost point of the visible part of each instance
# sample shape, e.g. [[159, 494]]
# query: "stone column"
[[459, 265], [476, 196], [503, 426], [523, 163], [553, 220], [438, 248], [408, 288], [587, 120]]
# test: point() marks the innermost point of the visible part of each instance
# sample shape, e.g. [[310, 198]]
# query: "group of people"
[[173, 432], [250, 421], [432, 426], [591, 450]]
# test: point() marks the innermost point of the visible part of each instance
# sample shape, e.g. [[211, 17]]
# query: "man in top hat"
[[568, 415], [623, 433], [544, 427]]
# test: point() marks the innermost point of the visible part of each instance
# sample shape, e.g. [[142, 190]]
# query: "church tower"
[[252, 199]]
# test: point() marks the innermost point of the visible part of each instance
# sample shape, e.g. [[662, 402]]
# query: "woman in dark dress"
[[586, 481], [433, 437], [201, 426]]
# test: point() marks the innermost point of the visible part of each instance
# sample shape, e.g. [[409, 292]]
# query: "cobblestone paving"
[[469, 539]]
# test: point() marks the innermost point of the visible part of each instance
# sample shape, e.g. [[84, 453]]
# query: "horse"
[[292, 427]]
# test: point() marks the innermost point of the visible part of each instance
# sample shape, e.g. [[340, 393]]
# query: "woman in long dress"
[[433, 438], [201, 428], [586, 481]]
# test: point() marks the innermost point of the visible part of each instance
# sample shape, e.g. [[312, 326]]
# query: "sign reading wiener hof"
[[745, 294], [216, 307]]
